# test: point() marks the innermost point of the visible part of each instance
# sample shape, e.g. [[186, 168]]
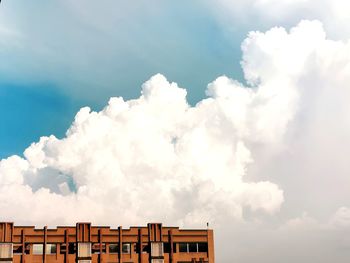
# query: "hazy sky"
[[230, 112]]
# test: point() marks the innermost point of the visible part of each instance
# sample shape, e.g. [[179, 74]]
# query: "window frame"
[[36, 245], [113, 244], [48, 245], [89, 250], [10, 249], [127, 245], [197, 246], [154, 252]]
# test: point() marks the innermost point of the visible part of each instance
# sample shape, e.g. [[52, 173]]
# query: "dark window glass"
[[96, 248], [71, 248], [166, 247], [113, 248], [202, 247], [51, 249], [17, 249], [63, 248], [126, 248], [137, 248], [146, 249], [27, 248], [192, 247], [183, 247]]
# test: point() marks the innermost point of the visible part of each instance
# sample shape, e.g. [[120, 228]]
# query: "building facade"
[[85, 243]]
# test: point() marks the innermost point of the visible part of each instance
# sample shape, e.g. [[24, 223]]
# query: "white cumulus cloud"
[[244, 154], [155, 151]]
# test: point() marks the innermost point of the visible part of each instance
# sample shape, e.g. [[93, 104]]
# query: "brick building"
[[84, 243]]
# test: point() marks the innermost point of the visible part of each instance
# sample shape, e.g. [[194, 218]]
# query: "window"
[[126, 248], [145, 248], [157, 249], [167, 247], [113, 248], [157, 260], [27, 248], [183, 247], [84, 261], [38, 249], [63, 248], [96, 248], [6, 250], [137, 248], [84, 250], [51, 249], [17, 249], [71, 248], [202, 247], [192, 247]]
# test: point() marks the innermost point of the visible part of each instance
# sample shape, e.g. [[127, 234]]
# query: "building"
[[84, 243]]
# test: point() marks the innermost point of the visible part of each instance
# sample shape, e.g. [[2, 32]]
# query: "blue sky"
[[63, 62], [28, 112]]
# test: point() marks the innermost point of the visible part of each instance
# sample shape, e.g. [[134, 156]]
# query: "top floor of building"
[[84, 243]]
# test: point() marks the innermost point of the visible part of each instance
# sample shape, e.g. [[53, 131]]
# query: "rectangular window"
[[38, 249], [96, 248], [157, 249], [27, 248], [157, 260], [84, 261], [126, 248], [71, 248], [183, 247], [145, 248], [63, 248], [6, 250], [84, 250], [167, 247], [192, 247], [51, 249], [202, 247], [113, 248], [17, 249]]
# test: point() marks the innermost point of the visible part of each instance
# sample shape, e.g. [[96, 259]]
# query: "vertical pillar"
[[23, 246], [140, 245], [210, 240], [120, 231], [67, 246], [100, 241], [160, 231], [44, 246], [171, 254]]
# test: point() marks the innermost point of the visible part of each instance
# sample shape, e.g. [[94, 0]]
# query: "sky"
[[235, 114]]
